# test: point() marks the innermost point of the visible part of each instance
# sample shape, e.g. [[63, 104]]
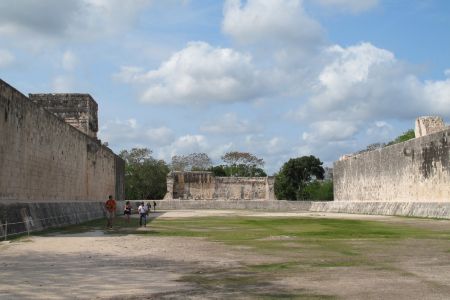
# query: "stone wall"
[[204, 185], [42, 159], [417, 170], [21, 218], [427, 125], [409, 209], [77, 110]]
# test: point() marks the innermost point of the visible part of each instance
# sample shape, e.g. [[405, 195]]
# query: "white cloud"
[[6, 58], [365, 83], [354, 6], [230, 123], [106, 17], [447, 72], [269, 21], [184, 145], [130, 74], [198, 74], [349, 69], [359, 86], [130, 133], [330, 131], [160, 136], [190, 144], [62, 84], [380, 130], [69, 61], [47, 17], [55, 19]]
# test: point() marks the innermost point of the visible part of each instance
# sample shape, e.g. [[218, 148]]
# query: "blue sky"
[[277, 78]]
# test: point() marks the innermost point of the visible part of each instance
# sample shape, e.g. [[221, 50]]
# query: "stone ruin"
[[205, 186], [77, 110], [428, 125], [417, 170]]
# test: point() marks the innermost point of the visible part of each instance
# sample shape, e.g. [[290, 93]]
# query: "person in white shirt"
[[142, 209]]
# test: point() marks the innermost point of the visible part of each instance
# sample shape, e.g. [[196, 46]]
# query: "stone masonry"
[[428, 125], [78, 110], [43, 159], [417, 170], [205, 186]]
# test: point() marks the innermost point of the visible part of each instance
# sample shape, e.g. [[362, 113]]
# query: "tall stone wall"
[[417, 170], [43, 159], [205, 186]]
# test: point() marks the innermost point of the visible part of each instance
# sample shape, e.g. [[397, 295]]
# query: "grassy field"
[[310, 250]]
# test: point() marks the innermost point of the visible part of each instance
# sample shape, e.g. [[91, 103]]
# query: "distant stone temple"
[[205, 186]]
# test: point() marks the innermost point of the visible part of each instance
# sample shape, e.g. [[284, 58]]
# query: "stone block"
[[427, 125]]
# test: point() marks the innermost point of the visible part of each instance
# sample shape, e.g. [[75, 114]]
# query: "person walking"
[[154, 206], [127, 211], [142, 209], [110, 207]]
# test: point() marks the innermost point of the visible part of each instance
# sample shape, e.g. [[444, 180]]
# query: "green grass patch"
[[274, 267]]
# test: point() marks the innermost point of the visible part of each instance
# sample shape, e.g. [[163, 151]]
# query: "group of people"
[[143, 210]]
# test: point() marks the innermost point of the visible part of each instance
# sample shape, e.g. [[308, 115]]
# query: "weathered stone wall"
[[20, 218], [78, 110], [246, 188], [410, 209], [417, 170], [204, 185], [427, 125], [42, 159]]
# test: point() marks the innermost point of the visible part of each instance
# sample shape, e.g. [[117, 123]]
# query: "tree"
[[318, 190], [191, 162], [145, 176], [219, 171], [407, 135], [294, 176], [243, 164]]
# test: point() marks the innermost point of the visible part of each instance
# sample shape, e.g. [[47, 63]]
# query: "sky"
[[276, 78]]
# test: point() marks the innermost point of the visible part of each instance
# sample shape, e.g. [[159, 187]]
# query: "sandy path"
[[87, 267]]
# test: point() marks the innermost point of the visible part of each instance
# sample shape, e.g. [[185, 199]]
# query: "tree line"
[[298, 179]]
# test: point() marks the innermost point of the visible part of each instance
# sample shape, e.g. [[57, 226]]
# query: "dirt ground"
[[96, 266]]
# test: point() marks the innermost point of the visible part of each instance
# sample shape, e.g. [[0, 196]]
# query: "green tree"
[[237, 171], [145, 176], [318, 190], [218, 171], [294, 176], [191, 162], [407, 135], [243, 164]]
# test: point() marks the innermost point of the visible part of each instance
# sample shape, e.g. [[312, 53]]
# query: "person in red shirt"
[[110, 207]]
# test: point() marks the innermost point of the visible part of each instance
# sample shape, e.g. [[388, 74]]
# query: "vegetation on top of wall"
[[237, 171], [242, 164], [294, 180], [405, 136], [145, 176], [191, 162]]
